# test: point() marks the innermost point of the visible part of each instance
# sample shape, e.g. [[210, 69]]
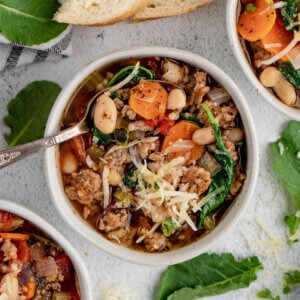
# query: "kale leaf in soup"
[[164, 159]]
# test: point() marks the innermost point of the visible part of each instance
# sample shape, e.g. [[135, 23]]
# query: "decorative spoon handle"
[[9, 156]]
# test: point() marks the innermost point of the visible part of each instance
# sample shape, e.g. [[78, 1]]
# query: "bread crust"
[[137, 7], [140, 18]]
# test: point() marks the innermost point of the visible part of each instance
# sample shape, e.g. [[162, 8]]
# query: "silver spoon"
[[9, 156]]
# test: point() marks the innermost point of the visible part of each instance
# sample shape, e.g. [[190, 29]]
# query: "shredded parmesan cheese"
[[155, 226], [106, 195]]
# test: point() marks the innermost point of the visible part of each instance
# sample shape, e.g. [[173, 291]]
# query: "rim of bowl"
[[71, 216], [231, 21], [79, 265]]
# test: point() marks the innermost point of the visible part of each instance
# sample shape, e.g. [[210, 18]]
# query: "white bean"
[[272, 78], [176, 99], [204, 136], [172, 72], [68, 163], [286, 92], [105, 115], [114, 177]]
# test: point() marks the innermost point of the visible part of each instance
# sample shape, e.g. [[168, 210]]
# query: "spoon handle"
[[11, 155]]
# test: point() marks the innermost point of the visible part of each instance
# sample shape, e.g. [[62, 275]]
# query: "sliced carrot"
[[148, 99], [31, 286], [254, 25], [14, 236], [183, 130], [278, 35]]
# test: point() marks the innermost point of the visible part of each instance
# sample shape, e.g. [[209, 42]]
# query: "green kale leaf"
[[291, 279], [222, 179], [293, 223], [100, 137], [267, 294], [289, 13], [130, 179], [286, 165], [290, 73], [29, 21], [207, 275], [29, 111]]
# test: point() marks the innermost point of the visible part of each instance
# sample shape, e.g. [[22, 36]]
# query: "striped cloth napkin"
[[13, 55]]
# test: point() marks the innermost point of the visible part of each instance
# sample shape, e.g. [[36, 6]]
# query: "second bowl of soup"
[[168, 162], [265, 40]]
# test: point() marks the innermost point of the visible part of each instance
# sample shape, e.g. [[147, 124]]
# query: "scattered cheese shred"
[[155, 226], [106, 195]]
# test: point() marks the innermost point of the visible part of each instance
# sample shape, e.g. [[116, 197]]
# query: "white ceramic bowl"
[[81, 270], [232, 18], [68, 212]]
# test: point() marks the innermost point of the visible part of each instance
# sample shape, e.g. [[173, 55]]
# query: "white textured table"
[[202, 32]]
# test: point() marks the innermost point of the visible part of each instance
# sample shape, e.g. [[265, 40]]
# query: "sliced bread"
[[97, 12], [167, 8]]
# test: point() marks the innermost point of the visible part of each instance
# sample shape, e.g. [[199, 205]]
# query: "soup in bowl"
[[265, 39], [165, 158], [36, 261]]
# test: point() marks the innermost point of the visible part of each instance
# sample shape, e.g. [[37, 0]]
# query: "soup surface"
[[269, 31], [164, 157], [32, 266]]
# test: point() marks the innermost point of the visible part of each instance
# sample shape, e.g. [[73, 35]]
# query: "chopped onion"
[[282, 53], [294, 57], [105, 175], [218, 95], [37, 252], [46, 267], [180, 145]]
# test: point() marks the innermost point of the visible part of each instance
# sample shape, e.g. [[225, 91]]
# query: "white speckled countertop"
[[202, 32]]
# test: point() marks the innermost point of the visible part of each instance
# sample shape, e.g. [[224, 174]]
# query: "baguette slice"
[[167, 8], [97, 12]]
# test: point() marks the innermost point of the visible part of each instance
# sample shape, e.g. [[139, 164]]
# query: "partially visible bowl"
[[44, 227], [71, 215], [232, 16]]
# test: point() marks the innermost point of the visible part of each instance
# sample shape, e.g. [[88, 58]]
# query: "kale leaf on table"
[[286, 165], [291, 279], [28, 112], [29, 22], [207, 275]]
